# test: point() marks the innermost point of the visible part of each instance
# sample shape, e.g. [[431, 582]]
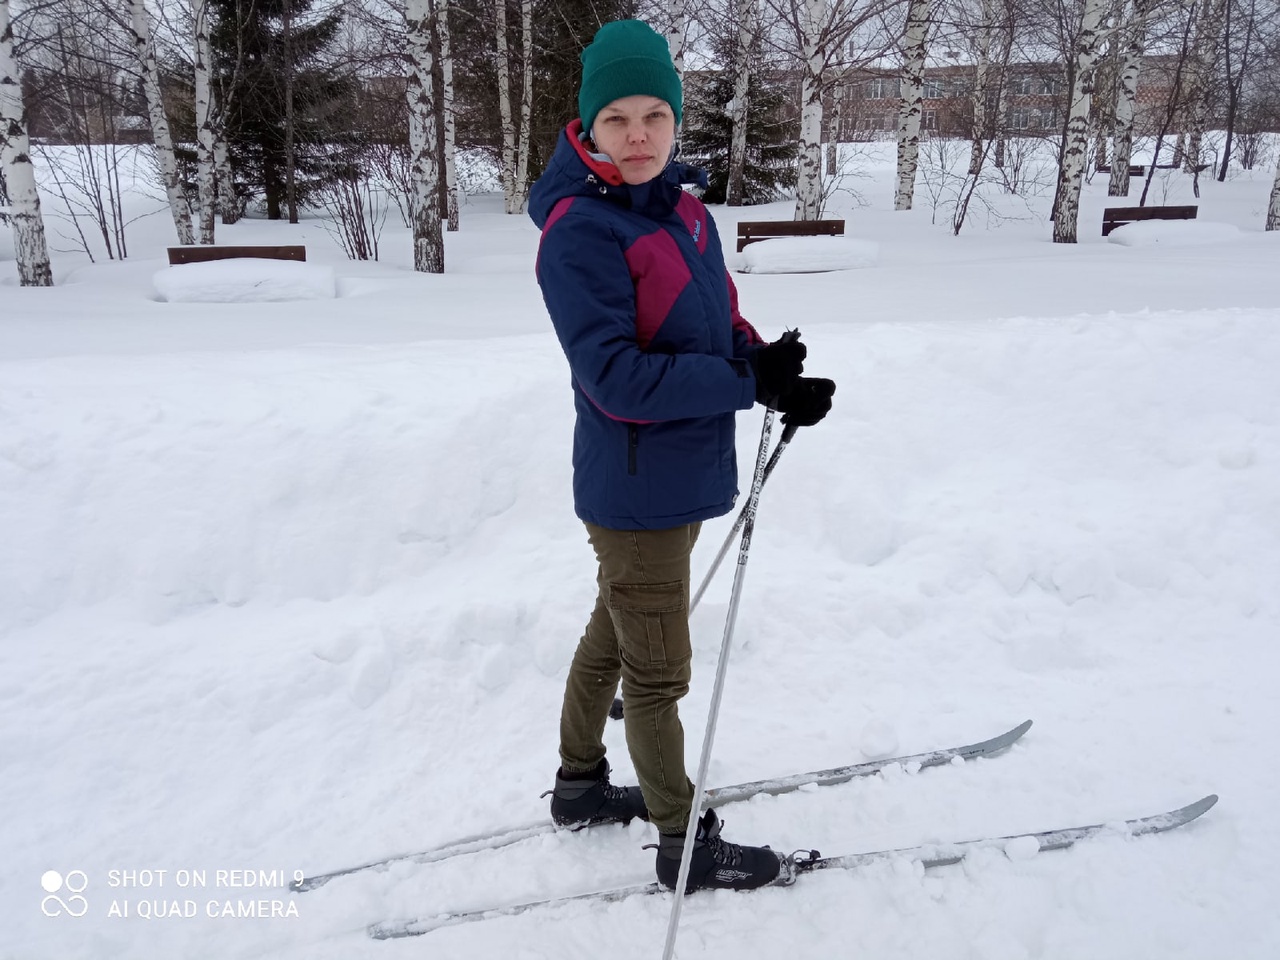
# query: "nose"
[[636, 132]]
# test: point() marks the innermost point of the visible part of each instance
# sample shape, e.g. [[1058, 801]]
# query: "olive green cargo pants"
[[639, 631]]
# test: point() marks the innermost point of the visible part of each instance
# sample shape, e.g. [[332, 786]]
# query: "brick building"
[[1036, 99]]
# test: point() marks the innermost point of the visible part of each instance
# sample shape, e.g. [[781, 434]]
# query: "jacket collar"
[[574, 171]]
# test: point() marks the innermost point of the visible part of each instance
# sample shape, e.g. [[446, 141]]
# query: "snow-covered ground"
[[289, 586]]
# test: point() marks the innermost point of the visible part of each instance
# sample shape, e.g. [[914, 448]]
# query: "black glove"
[[807, 402], [776, 367]]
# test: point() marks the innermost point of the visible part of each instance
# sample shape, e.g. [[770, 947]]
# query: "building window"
[[1048, 118], [931, 119], [1050, 86], [1019, 118], [1021, 86], [934, 89], [878, 88]]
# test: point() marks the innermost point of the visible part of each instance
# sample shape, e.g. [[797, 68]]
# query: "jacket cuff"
[[746, 382]]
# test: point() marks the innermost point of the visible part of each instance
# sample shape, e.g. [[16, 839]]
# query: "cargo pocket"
[[651, 622]]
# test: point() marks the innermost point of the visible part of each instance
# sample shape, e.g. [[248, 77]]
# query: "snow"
[[248, 280], [1170, 233], [808, 255], [879, 739], [290, 587], [1023, 848]]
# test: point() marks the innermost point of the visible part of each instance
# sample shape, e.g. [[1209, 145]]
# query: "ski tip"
[[1200, 807]]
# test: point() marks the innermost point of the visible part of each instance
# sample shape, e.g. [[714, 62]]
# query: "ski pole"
[[788, 432], [616, 711], [722, 669]]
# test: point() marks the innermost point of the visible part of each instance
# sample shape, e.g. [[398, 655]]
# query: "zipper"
[[633, 442]]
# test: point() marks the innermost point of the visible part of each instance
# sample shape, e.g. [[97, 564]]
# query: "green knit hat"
[[626, 58]]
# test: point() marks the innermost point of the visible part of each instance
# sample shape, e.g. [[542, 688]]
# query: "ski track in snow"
[[277, 596]]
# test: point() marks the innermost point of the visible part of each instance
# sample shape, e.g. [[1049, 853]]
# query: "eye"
[[614, 119]]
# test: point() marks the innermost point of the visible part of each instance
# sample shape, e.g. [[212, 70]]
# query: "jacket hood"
[[573, 172]]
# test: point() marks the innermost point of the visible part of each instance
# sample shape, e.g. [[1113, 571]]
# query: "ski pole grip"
[[789, 431], [791, 336]]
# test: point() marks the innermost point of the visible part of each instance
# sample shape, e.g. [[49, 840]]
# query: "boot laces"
[[611, 792], [722, 851]]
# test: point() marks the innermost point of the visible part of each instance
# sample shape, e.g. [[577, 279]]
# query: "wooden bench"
[[1113, 217], [1198, 168], [749, 231], [1135, 169], [203, 254]]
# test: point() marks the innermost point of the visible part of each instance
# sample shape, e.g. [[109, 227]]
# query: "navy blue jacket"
[[635, 282]]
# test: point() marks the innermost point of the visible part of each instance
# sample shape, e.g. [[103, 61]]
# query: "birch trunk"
[[809, 161], [833, 129], [521, 185], [504, 109], [1126, 101], [428, 239], [677, 32], [228, 202], [1208, 36], [912, 108], [982, 73], [736, 188], [450, 122], [204, 124], [1003, 56], [1273, 211], [160, 135], [29, 244], [1066, 213], [290, 125]]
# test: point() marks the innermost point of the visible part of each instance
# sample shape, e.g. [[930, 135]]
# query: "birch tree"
[[812, 20], [915, 50], [450, 122], [833, 129], [1273, 211], [428, 240], [515, 133], [228, 201], [141, 33], [677, 32], [205, 163], [521, 184], [504, 108], [29, 244], [1066, 209], [746, 13], [821, 30], [1203, 58], [1134, 33], [992, 44]]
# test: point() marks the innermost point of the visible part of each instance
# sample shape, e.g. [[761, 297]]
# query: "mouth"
[[637, 159]]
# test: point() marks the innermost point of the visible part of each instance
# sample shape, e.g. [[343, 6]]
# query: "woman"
[[634, 279]]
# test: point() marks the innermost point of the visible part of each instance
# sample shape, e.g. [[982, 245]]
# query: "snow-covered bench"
[[1113, 217], [749, 231], [213, 274], [206, 253], [1135, 169]]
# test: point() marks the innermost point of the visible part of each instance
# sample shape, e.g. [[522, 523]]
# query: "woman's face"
[[637, 133]]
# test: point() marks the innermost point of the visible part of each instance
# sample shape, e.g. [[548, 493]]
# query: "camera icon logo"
[[74, 884]]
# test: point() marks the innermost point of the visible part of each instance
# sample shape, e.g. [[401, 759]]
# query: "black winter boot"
[[580, 799], [716, 863]]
